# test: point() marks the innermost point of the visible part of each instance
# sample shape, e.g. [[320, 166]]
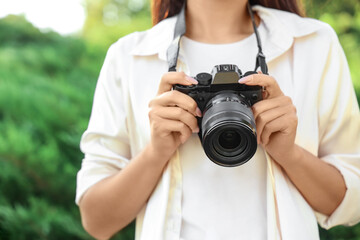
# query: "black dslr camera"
[[227, 127]]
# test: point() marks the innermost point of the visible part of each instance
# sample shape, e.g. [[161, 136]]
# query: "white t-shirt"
[[221, 202]]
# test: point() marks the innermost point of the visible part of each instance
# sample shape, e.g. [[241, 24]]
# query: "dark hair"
[[162, 9]]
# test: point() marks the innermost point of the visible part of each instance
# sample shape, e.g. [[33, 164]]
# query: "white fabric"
[[220, 202], [306, 59]]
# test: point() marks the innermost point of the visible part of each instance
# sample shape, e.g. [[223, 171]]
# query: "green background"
[[47, 83]]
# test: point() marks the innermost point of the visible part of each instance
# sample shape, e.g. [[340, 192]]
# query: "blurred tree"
[[46, 87], [316, 8], [107, 20], [43, 76]]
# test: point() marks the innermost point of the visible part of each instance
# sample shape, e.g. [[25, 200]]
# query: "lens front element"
[[229, 139]]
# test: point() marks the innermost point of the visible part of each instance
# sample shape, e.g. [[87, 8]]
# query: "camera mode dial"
[[204, 78]]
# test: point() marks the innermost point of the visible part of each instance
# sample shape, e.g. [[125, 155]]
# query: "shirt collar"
[[281, 30]]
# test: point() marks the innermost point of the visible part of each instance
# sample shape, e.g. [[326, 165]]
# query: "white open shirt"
[[306, 59]]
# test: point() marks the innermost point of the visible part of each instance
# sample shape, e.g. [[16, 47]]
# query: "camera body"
[[227, 126], [222, 78]]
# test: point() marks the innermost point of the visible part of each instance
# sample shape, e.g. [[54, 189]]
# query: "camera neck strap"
[[180, 29], [173, 50]]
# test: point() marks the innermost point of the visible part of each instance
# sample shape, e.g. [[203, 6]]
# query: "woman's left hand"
[[275, 118]]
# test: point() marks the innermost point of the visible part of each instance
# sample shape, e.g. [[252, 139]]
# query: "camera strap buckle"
[[261, 62]]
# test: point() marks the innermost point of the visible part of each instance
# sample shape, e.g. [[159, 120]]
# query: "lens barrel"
[[228, 130]]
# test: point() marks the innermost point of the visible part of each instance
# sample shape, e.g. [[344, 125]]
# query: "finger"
[[176, 98], [268, 116], [185, 134], [269, 83], [285, 124], [177, 114], [267, 104], [165, 127], [171, 78]]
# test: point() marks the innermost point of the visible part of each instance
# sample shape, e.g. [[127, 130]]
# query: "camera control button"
[[204, 78]]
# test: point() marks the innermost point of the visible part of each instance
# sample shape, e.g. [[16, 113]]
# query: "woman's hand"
[[275, 118], [172, 115]]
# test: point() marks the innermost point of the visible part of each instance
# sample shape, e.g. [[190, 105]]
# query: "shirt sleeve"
[[105, 143], [339, 122]]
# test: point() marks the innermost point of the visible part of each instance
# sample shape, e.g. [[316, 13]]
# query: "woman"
[[144, 160]]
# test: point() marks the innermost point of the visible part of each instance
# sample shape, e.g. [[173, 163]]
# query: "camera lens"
[[228, 142], [229, 139], [228, 130]]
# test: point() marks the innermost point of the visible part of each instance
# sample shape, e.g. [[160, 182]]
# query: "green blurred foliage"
[[46, 87], [107, 20], [47, 83], [344, 17]]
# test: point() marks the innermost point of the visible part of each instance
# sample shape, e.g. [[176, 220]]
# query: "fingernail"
[[198, 112], [245, 79], [191, 80], [196, 130]]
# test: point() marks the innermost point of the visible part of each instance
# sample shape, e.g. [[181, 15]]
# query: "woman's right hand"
[[172, 115]]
